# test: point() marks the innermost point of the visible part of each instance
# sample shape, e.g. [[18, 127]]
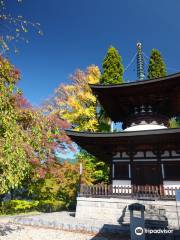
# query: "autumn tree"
[[58, 182], [28, 138], [157, 67], [13, 159], [14, 28], [75, 102], [94, 170], [112, 67]]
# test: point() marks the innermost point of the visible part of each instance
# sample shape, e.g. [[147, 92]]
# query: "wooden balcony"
[[135, 191]]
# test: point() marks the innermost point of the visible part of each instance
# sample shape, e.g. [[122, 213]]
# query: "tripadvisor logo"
[[139, 231]]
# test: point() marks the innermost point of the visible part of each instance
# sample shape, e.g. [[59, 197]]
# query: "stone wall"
[[115, 210]]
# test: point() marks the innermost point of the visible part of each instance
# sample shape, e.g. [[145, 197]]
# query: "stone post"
[[137, 223]]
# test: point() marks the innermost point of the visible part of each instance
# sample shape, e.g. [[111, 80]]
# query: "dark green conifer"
[[112, 68], [157, 67]]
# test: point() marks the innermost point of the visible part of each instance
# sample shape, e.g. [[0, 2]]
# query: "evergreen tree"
[[112, 67], [157, 67]]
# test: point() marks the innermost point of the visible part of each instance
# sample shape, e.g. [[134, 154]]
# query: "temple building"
[[144, 157], [147, 151]]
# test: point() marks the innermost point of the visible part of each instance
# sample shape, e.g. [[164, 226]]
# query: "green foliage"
[[94, 170], [69, 181], [28, 138], [50, 206], [23, 206], [104, 121], [45, 189], [61, 183], [104, 126], [157, 67], [18, 206], [112, 68], [13, 157], [174, 123]]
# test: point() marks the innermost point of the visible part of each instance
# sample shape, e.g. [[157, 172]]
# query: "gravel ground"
[[65, 217], [66, 221], [11, 229], [19, 232]]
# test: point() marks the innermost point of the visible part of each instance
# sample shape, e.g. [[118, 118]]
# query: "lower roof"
[[103, 145]]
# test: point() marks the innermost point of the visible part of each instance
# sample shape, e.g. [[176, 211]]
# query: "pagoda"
[[147, 151], [145, 156]]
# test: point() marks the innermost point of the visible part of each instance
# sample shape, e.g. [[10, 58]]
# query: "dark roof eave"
[[102, 145], [123, 133], [134, 83], [163, 93]]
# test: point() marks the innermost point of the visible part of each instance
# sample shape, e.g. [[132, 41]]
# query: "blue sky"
[[77, 33]]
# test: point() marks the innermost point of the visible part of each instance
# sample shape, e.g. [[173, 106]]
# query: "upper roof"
[[103, 145], [119, 99]]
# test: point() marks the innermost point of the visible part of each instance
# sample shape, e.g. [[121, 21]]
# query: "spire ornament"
[[140, 62]]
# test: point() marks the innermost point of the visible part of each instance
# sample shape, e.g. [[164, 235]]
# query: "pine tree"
[[112, 67], [157, 67]]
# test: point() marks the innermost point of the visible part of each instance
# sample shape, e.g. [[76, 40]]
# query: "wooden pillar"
[[131, 155], [162, 169], [111, 170], [160, 165]]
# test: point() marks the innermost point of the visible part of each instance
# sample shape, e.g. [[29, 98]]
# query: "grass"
[[19, 214]]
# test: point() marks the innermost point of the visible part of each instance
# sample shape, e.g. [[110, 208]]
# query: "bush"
[[23, 206], [51, 206], [18, 206]]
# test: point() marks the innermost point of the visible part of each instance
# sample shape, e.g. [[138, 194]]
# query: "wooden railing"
[[134, 191]]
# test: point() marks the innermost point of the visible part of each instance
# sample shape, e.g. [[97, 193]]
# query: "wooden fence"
[[134, 191]]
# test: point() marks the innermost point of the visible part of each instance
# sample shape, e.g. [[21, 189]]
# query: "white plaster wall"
[[145, 160], [150, 154], [171, 184], [175, 154], [139, 154], [124, 155], [165, 154], [121, 182], [117, 155], [142, 127]]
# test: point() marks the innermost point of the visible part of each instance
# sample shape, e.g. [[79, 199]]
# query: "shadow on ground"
[[173, 236], [6, 229], [112, 232], [104, 235]]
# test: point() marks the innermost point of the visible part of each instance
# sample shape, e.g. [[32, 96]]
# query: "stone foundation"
[[115, 210]]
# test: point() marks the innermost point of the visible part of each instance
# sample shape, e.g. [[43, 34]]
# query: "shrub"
[[23, 206], [18, 206], [50, 206]]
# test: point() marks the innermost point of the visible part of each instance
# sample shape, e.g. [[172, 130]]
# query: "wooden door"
[[146, 174]]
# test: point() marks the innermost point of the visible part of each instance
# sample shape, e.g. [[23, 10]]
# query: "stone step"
[[152, 218]]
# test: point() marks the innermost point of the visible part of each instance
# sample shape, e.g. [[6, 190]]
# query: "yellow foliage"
[[76, 102], [93, 74]]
